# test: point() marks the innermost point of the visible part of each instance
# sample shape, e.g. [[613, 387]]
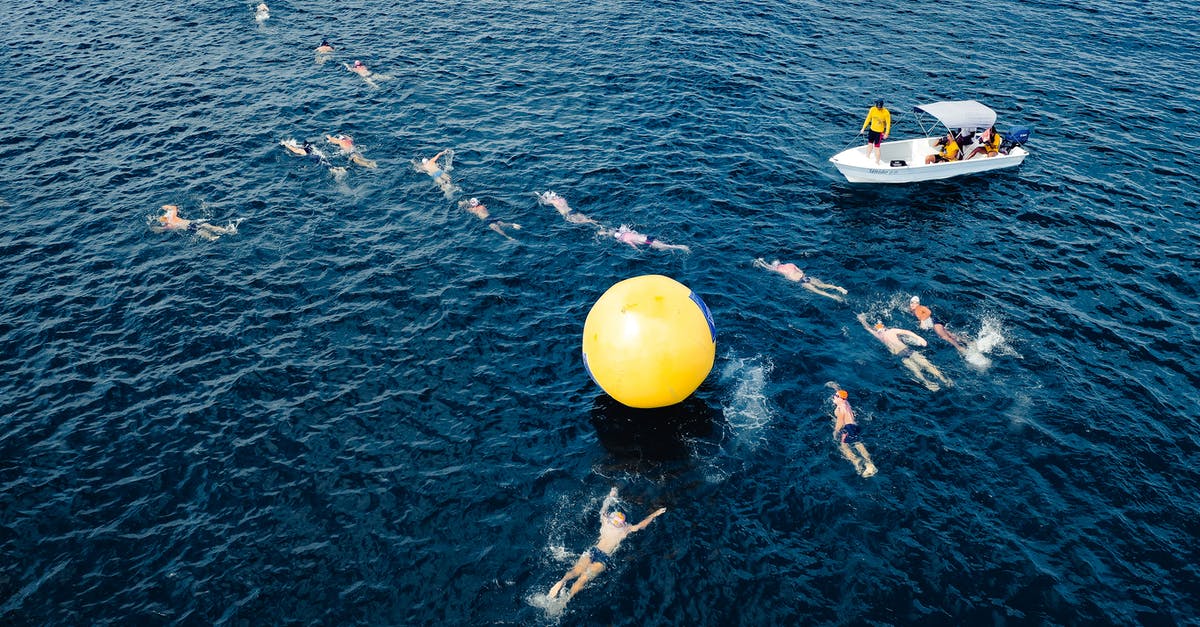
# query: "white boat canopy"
[[964, 114]]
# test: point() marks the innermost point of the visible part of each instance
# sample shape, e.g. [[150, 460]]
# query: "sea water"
[[365, 407]]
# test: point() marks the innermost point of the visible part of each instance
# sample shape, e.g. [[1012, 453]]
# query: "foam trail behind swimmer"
[[746, 407], [989, 340]]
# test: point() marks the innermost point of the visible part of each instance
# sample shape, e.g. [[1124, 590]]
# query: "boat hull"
[[857, 168]]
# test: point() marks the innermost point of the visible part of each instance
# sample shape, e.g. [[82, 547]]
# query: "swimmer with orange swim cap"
[[848, 435], [897, 341], [613, 529], [927, 321]]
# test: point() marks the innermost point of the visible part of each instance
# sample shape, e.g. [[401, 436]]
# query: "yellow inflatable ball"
[[649, 341]]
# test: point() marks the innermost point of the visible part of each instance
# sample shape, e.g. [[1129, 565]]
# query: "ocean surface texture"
[[366, 407]]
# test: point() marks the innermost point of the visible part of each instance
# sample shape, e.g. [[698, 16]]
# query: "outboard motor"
[[1017, 136]]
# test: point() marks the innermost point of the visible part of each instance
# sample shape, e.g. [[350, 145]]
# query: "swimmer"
[[358, 67], [848, 434], [897, 340], [261, 13], [560, 203], [369, 77], [170, 221], [613, 529], [304, 149], [789, 270], [325, 47], [346, 144], [929, 321], [441, 177], [479, 210], [635, 239], [307, 149]]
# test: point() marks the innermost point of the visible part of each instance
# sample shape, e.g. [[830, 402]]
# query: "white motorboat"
[[904, 161]]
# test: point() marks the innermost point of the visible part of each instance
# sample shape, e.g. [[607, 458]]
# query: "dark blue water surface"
[[367, 408]]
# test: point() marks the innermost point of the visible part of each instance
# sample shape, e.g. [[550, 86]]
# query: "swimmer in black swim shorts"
[[897, 340], [929, 321], [849, 435], [613, 529]]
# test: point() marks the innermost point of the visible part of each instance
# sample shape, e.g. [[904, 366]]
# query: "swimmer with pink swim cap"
[[613, 529]]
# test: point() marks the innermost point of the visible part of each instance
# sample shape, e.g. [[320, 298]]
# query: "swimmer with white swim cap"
[[928, 321], [261, 12], [560, 204], [897, 341], [613, 529], [794, 273], [480, 210], [848, 435], [629, 236], [170, 221]]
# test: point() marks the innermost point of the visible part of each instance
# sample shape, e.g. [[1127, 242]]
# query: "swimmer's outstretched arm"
[[609, 501], [647, 520], [762, 264], [862, 317]]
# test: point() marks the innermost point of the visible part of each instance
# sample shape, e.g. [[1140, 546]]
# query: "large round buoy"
[[649, 341]]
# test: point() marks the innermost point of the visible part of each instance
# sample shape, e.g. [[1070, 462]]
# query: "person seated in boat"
[[634, 239], [793, 273], [964, 137], [991, 139], [948, 151], [880, 121], [480, 210]]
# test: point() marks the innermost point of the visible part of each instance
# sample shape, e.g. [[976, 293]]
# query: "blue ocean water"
[[367, 408]]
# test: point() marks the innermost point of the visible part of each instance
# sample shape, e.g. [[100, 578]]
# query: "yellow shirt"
[[950, 150], [880, 120], [993, 144]]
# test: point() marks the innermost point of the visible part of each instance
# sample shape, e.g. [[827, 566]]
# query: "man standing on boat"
[[880, 121]]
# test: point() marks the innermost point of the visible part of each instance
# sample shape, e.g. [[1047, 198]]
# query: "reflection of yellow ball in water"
[[649, 341]]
